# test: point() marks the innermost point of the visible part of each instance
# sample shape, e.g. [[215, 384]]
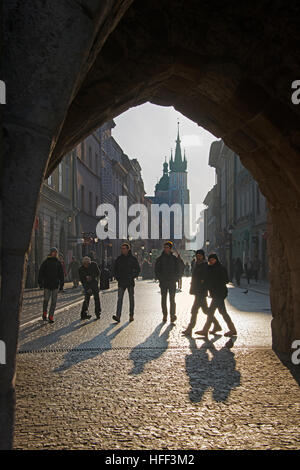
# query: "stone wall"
[[71, 66]]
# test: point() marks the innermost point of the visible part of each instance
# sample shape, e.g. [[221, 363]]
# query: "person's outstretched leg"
[[210, 318], [194, 313], [53, 305], [47, 293], [205, 308], [172, 293], [85, 306], [97, 303], [225, 315], [131, 302], [164, 308], [121, 291]]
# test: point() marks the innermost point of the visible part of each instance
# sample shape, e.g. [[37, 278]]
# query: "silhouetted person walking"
[[89, 274], [126, 269], [51, 277], [104, 277], [238, 270], [167, 271], [256, 268], [74, 268], [217, 278], [199, 290]]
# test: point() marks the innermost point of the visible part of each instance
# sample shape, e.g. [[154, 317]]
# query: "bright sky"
[[148, 132]]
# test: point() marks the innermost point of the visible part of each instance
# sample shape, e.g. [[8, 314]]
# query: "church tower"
[[172, 189], [178, 190]]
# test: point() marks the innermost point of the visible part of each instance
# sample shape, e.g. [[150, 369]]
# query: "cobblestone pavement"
[[33, 301], [143, 385]]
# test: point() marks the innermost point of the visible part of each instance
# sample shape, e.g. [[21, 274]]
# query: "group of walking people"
[[207, 277]]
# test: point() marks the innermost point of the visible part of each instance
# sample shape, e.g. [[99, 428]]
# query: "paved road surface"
[[97, 384]]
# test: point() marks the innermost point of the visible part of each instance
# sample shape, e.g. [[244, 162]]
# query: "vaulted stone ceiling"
[[226, 65]]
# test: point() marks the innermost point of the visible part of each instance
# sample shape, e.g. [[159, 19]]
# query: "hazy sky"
[[148, 132]]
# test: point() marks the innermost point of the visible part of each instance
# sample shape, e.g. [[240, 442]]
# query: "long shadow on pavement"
[[152, 348], [218, 373], [42, 342], [91, 348], [293, 368]]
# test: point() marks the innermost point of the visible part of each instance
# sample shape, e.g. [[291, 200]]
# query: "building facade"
[[96, 171], [235, 220]]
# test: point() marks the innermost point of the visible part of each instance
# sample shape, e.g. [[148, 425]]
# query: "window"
[[82, 197], [90, 158], [67, 175], [60, 178], [96, 164], [50, 181], [90, 203]]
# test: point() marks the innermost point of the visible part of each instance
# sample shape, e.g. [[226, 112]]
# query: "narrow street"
[[143, 385]]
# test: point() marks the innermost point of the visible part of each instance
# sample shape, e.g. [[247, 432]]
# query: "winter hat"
[[213, 255], [53, 249], [169, 243], [200, 252]]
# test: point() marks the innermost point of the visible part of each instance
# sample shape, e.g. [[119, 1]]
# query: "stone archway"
[[229, 68]]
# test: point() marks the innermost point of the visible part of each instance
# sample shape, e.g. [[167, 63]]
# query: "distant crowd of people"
[[208, 276]]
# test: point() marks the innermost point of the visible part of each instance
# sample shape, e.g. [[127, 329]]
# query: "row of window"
[[93, 161], [89, 204], [63, 177], [245, 202]]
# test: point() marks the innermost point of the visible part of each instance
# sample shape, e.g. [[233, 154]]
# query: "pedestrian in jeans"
[[51, 278], [216, 279], [89, 274], [199, 290], [126, 269], [167, 271]]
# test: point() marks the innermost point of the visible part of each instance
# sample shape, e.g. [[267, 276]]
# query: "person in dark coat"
[[51, 278], [104, 277], [238, 270], [199, 290], [126, 269], [74, 269], [89, 274], [255, 268], [167, 271], [248, 270], [216, 280]]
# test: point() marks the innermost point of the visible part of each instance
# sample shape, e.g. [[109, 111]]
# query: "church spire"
[[179, 164]]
